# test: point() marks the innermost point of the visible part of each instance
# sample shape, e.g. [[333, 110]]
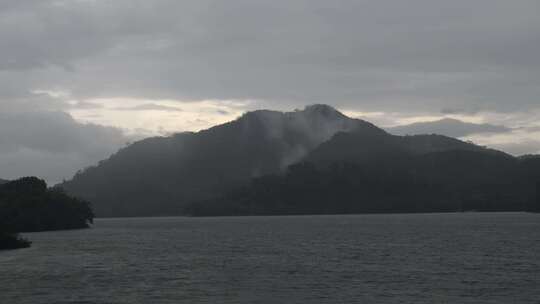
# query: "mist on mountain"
[[159, 175], [168, 175]]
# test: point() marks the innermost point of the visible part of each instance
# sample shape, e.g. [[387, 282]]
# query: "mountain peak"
[[323, 110]]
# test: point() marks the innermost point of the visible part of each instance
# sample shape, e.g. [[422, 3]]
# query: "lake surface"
[[409, 258]]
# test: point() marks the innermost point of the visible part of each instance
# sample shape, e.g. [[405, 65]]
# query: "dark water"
[[428, 258]]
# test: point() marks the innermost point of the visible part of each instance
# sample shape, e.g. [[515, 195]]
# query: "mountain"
[[3, 181], [190, 172], [359, 147], [358, 173], [158, 176], [447, 126], [530, 168]]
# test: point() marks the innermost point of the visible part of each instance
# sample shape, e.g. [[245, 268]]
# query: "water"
[[423, 258]]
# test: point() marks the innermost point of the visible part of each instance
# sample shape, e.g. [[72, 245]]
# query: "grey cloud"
[[448, 127], [470, 111], [378, 55], [86, 105], [520, 148], [149, 107], [52, 145]]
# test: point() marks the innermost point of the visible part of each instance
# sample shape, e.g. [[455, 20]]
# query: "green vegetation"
[[351, 174], [27, 205]]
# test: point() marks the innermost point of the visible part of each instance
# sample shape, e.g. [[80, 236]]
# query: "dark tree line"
[[27, 205]]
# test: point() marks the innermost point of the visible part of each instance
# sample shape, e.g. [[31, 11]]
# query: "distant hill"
[[3, 181], [158, 176], [166, 175], [447, 126]]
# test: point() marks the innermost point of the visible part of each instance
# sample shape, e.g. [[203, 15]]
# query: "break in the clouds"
[[149, 107], [131, 63]]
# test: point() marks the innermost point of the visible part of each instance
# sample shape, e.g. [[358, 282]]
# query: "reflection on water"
[[423, 258]]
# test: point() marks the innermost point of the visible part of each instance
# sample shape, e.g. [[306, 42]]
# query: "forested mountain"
[[352, 174], [271, 151], [362, 147], [158, 176]]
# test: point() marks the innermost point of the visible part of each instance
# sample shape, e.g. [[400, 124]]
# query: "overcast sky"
[[80, 78]]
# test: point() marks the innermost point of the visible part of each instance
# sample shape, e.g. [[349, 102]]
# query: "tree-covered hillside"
[[27, 205], [163, 175], [354, 173], [159, 176]]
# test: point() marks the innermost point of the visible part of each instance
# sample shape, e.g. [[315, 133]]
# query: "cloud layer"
[[414, 55], [448, 126]]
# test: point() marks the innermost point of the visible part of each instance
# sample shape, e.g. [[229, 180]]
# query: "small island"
[[27, 205]]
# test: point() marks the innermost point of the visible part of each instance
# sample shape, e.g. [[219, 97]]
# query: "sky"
[[80, 79]]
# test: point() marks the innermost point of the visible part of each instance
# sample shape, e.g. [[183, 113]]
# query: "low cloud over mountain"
[[160, 175], [448, 126]]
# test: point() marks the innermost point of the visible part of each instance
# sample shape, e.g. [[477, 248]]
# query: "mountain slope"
[[162, 175], [359, 147], [158, 176], [358, 173]]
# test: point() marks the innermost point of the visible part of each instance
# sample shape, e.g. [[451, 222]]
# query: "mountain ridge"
[[170, 171], [162, 175]]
